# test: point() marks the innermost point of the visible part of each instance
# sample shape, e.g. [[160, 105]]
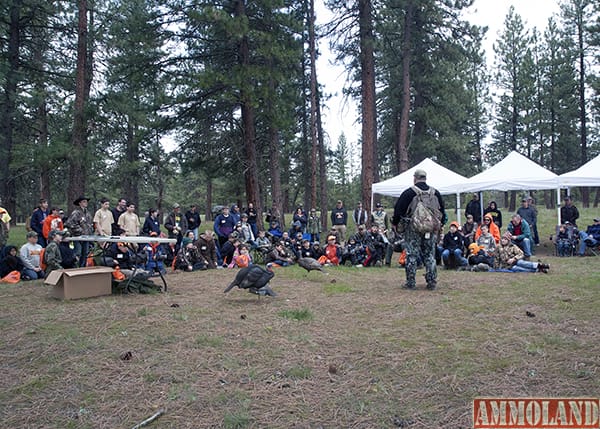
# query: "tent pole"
[[458, 208]]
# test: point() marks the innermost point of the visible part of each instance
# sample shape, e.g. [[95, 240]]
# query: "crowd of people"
[[234, 239]]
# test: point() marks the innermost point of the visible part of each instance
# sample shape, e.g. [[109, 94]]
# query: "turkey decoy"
[[255, 279]]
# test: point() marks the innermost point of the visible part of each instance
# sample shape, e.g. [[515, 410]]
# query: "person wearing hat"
[[509, 257], [52, 254], [474, 208], [529, 214], [453, 247], [30, 255], [176, 225], [80, 223], [419, 245], [568, 212], [380, 218], [339, 220], [590, 237], [4, 226]]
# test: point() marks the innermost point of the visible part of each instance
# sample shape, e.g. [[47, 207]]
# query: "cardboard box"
[[78, 283]]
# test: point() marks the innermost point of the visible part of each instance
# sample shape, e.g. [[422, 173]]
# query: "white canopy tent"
[[442, 179], [514, 173], [586, 175]]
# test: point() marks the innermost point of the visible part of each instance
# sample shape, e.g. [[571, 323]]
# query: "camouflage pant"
[[420, 248]]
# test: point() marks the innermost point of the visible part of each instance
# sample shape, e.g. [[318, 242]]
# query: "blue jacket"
[[525, 230]]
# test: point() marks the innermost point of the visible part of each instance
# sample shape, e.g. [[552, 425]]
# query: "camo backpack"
[[424, 211]]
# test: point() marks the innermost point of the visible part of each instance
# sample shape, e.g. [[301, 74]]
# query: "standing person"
[[493, 210], [235, 213], [79, 223], [103, 218], [534, 229], [119, 209], [176, 225], [129, 221], [224, 225], [53, 221], [30, 256], [529, 214], [339, 220], [380, 218], [419, 245], [37, 221], [360, 215], [4, 227], [252, 218], [474, 208], [568, 212], [314, 226], [193, 220], [151, 223], [300, 216]]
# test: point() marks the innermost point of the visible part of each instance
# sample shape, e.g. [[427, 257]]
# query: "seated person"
[[509, 257], [208, 249], [262, 241], [69, 258], [52, 254], [30, 256], [491, 227], [331, 253], [564, 240], [280, 256], [242, 257], [376, 246], [155, 256], [122, 255], [188, 257], [10, 261], [275, 230], [521, 234], [468, 230], [482, 251], [589, 237], [229, 248], [354, 253], [307, 251], [453, 247]]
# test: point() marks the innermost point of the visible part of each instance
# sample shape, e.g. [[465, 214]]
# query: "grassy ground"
[[348, 349]]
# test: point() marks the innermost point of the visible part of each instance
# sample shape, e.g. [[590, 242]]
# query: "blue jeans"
[[32, 274], [525, 246], [524, 267], [458, 257], [81, 249], [592, 242]]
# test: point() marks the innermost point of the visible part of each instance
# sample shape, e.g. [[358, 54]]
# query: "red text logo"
[[546, 413]]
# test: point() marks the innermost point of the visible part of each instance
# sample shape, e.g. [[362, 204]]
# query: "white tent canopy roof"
[[442, 179], [586, 175], [515, 172]]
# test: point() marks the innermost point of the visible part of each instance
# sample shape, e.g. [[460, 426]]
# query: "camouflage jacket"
[[504, 253]]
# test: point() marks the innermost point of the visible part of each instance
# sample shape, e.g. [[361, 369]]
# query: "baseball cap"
[[420, 173]]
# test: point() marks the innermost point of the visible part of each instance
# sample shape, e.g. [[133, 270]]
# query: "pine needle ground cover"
[[348, 349]]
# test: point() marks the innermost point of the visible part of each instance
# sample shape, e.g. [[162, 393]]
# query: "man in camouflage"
[[418, 245]]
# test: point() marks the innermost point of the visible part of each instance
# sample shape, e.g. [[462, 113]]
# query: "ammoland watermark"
[[546, 413]]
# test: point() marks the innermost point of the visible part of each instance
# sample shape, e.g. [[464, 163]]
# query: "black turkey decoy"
[[255, 279], [310, 264]]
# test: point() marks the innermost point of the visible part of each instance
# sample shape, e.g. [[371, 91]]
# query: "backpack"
[[424, 211], [43, 264]]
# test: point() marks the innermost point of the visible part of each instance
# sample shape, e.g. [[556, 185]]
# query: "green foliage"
[[303, 314]]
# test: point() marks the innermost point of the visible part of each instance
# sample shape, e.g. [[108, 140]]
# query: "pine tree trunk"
[[77, 178], [248, 130], [313, 103], [368, 107], [7, 181], [402, 142]]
